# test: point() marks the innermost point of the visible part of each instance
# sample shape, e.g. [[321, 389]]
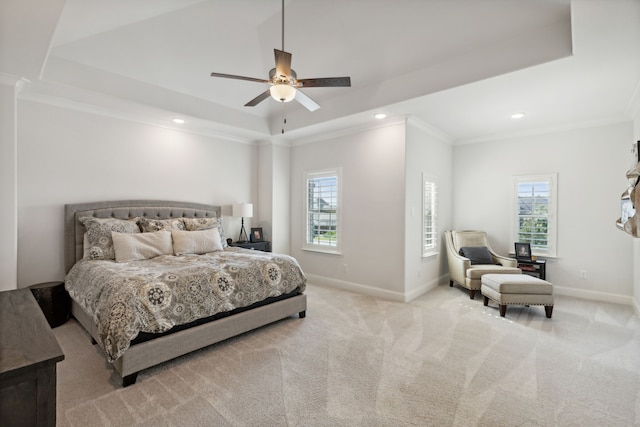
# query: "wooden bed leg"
[[93, 341], [129, 380], [302, 314], [450, 283]]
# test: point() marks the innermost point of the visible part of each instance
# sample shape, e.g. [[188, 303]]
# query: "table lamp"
[[243, 210]]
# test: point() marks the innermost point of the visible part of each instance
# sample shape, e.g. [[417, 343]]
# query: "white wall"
[[263, 206], [281, 199], [274, 185], [430, 153], [8, 183], [372, 163], [591, 165], [67, 156]]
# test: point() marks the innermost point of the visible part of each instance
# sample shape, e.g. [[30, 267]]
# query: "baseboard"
[[426, 287], [376, 292], [595, 295], [355, 287]]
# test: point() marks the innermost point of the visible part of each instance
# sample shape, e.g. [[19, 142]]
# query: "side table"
[[53, 300], [264, 246], [537, 268]]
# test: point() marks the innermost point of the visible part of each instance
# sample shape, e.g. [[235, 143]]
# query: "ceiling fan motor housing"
[[282, 79]]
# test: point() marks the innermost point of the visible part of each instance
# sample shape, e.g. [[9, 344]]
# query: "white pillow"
[[130, 247], [196, 242]]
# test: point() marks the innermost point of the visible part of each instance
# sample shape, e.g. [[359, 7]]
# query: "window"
[[535, 212], [323, 210], [429, 216]]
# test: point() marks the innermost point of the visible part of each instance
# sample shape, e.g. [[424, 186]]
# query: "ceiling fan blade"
[[307, 102], [283, 62], [232, 76], [326, 82], [258, 99]]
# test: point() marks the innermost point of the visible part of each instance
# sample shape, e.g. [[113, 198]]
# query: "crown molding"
[[321, 136], [19, 83], [140, 114], [545, 130], [431, 130]]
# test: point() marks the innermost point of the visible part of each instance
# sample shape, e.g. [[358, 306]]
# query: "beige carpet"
[[355, 360]]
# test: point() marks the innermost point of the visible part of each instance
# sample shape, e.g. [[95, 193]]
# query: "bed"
[[172, 304]]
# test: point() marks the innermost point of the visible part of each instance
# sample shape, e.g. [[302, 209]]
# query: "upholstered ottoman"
[[517, 289]]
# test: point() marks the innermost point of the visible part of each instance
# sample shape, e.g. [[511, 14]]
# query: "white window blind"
[[535, 212], [322, 210], [430, 217]]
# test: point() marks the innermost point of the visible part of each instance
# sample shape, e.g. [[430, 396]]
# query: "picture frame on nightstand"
[[523, 251], [256, 235]]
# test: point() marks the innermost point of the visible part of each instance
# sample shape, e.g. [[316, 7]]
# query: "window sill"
[[322, 250], [430, 255]]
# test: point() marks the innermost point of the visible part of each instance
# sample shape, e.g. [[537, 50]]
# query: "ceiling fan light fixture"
[[282, 92]]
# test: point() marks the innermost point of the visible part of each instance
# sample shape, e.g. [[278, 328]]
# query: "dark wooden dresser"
[[28, 356]]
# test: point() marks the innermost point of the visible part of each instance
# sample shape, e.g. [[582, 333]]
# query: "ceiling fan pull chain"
[[284, 118]]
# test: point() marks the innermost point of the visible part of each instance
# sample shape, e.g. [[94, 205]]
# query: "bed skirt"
[[164, 348]]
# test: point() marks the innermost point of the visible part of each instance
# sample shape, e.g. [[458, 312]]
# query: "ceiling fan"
[[284, 82]]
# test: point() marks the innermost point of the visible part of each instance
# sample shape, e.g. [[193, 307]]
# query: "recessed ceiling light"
[[379, 116], [178, 121], [517, 115]]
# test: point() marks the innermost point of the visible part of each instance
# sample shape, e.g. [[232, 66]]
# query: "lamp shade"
[[283, 92], [244, 210]]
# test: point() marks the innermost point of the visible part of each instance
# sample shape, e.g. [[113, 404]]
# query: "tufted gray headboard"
[[123, 209]]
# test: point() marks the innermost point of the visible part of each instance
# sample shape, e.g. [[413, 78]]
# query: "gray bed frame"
[[150, 353]]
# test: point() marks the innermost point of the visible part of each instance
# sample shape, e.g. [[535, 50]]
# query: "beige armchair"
[[462, 271]]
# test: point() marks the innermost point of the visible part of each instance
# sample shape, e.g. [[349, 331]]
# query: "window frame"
[[429, 248], [552, 217], [318, 247]]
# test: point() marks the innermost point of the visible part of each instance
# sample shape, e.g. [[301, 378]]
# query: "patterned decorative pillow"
[[99, 234], [150, 225], [194, 224]]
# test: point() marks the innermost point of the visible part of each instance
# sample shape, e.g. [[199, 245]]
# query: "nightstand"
[[537, 268], [258, 246], [53, 300]]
